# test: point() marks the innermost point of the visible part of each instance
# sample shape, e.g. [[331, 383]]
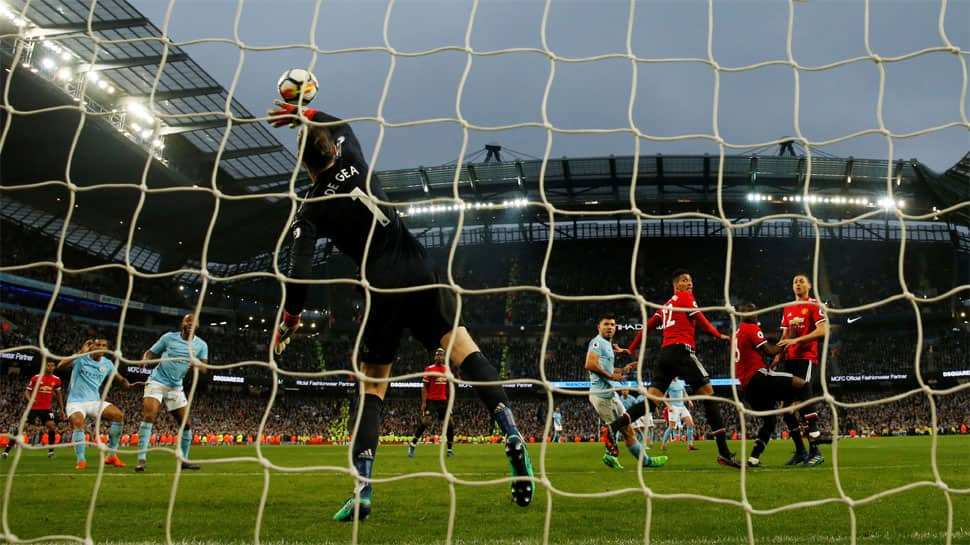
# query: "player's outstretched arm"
[[593, 366], [770, 349], [284, 332], [150, 359]]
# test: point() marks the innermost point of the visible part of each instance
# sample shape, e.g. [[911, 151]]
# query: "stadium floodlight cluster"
[[12, 16], [64, 67], [466, 205], [883, 202]]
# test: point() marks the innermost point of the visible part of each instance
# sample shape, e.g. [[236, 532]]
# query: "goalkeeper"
[[348, 214]]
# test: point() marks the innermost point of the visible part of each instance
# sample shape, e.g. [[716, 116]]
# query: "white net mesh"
[[155, 121]]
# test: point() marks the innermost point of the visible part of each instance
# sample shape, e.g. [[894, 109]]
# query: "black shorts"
[[678, 360], [805, 370], [40, 416], [436, 407], [767, 388], [429, 313]]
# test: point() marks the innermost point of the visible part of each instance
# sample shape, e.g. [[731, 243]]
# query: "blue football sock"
[[78, 438], [635, 450], [690, 436], [365, 467], [186, 442], [144, 433], [114, 437]]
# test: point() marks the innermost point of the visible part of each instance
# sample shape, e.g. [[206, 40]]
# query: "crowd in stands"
[[330, 416], [509, 326]]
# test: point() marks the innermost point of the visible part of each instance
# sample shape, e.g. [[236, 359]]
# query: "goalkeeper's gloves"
[[288, 114], [285, 331]]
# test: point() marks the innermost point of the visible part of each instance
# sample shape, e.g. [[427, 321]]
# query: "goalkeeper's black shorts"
[[429, 313]]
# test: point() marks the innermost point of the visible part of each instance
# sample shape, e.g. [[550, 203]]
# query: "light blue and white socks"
[[77, 437], [186, 442], [144, 434], [114, 437]]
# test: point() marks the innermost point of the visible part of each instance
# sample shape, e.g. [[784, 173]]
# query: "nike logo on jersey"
[[853, 320]]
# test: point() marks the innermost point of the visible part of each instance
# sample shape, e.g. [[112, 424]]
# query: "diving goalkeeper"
[[349, 213]]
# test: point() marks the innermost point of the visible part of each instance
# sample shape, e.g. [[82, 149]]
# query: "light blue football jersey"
[[171, 345], [604, 349], [677, 391], [87, 376], [557, 419]]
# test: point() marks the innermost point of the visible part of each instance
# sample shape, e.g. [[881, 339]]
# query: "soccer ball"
[[295, 80]]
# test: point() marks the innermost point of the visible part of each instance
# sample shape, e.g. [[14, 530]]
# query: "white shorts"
[[174, 398], [677, 414], [90, 409], [607, 408], [557, 428], [649, 419]]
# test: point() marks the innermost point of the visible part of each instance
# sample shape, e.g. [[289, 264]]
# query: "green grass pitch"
[[586, 502]]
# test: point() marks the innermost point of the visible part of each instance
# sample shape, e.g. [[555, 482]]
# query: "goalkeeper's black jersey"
[[347, 220]]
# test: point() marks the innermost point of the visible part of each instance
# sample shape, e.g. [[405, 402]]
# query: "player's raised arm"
[[707, 326], [85, 350]]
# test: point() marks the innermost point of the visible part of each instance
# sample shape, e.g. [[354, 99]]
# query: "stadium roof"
[[121, 51], [113, 82]]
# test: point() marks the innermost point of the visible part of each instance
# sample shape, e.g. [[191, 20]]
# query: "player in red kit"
[[803, 324], [434, 401], [761, 388], [41, 413], [678, 319]]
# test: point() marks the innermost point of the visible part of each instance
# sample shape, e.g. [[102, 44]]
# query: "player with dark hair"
[[678, 319], [176, 352], [374, 236], [803, 323], [41, 412], [761, 388], [603, 396], [91, 369], [434, 401]]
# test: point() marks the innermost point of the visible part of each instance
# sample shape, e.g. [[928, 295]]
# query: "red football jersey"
[[678, 325], [801, 319], [437, 387], [48, 385], [747, 358]]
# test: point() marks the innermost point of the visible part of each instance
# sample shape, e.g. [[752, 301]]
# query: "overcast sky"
[[671, 99]]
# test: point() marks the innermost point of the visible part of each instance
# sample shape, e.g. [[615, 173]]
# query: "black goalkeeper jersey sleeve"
[[346, 220]]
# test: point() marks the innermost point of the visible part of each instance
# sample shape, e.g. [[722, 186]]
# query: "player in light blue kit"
[[677, 413], [91, 369], [599, 363], [178, 352], [557, 425]]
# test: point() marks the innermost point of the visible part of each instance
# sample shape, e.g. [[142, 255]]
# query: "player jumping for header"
[[678, 359]]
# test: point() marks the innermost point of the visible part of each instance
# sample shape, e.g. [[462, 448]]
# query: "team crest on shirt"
[[804, 311], [596, 344]]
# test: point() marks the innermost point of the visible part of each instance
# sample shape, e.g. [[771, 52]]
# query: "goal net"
[[141, 181]]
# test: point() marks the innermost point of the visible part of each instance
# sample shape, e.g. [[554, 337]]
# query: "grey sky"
[[671, 98]]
